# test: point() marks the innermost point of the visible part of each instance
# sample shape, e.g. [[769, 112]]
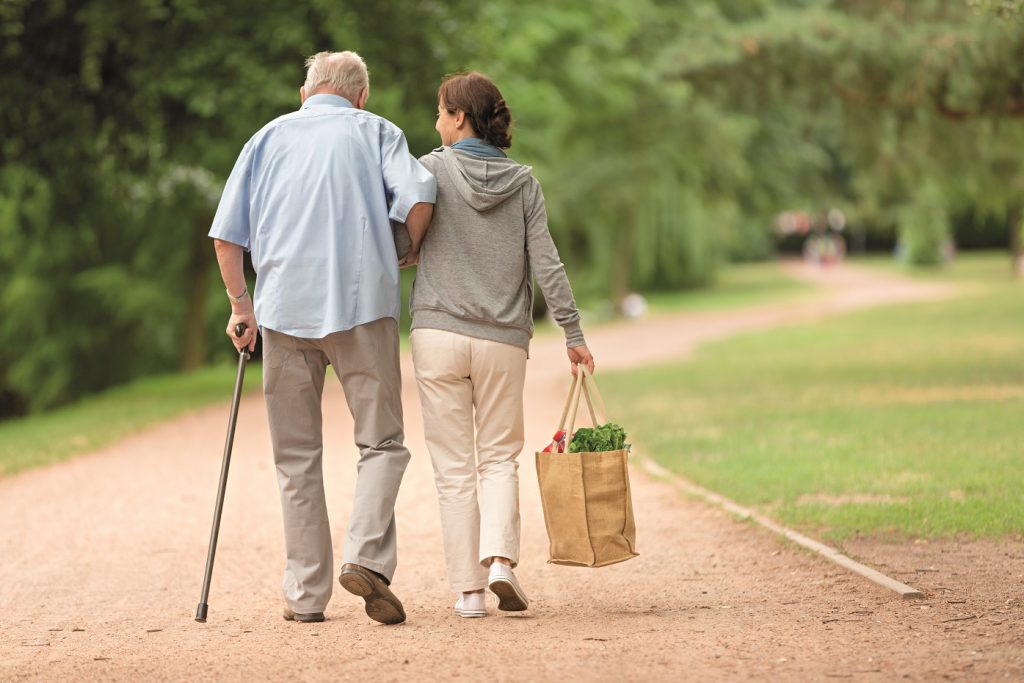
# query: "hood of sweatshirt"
[[484, 182]]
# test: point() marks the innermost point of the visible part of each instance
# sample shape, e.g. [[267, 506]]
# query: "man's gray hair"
[[343, 72]]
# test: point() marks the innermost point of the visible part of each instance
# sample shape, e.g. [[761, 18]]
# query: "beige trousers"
[[468, 383], [365, 360]]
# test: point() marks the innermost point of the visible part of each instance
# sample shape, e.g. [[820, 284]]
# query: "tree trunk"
[[620, 274], [1016, 248], [194, 344]]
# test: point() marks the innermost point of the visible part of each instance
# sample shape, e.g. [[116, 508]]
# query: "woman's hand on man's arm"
[[417, 222]]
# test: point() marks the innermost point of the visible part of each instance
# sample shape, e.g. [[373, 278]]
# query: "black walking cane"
[[243, 355]]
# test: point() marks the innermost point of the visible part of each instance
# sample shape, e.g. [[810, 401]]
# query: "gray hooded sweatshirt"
[[487, 241]]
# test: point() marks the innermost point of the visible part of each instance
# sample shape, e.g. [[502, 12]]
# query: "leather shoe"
[[381, 604], [311, 618]]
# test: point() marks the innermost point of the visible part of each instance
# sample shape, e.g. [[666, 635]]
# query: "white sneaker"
[[502, 583], [471, 605]]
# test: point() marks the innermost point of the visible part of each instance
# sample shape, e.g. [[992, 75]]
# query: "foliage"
[[1005, 9], [120, 122], [667, 135], [606, 437], [924, 225]]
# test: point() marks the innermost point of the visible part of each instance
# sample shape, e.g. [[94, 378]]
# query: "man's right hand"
[[581, 355], [248, 338]]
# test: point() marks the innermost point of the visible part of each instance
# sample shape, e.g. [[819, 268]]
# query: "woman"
[[472, 306]]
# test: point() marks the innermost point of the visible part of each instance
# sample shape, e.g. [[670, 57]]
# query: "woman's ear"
[[460, 119]]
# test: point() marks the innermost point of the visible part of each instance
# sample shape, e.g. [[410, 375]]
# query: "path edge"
[[656, 471]]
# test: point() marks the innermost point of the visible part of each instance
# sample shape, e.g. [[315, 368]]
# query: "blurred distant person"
[[311, 196], [472, 323]]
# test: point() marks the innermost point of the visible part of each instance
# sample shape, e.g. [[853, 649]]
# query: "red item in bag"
[[557, 445]]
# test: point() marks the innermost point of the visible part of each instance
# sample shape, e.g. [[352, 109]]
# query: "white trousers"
[[469, 385]]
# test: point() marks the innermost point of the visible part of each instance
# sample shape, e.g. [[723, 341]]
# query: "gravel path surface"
[[101, 560]]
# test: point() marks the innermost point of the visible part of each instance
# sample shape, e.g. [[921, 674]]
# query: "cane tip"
[[201, 612]]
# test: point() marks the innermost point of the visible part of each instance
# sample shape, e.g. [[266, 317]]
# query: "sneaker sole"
[[471, 613], [379, 606], [509, 599]]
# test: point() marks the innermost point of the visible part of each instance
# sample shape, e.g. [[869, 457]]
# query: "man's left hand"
[[411, 259]]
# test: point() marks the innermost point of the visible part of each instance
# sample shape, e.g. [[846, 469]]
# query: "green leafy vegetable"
[[606, 437]]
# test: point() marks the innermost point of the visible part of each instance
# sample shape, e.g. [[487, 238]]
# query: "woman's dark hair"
[[482, 103]]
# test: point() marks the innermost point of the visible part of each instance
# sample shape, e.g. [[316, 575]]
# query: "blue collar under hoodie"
[[477, 147]]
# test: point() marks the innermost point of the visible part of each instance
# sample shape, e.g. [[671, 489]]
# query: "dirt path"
[[101, 560]]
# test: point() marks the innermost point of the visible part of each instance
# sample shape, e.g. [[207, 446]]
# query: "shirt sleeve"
[[231, 222], [548, 269], [406, 180]]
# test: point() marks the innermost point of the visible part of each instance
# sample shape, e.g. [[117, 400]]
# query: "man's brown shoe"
[[311, 618], [381, 603]]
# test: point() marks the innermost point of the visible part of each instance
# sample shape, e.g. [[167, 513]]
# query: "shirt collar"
[[478, 147], [326, 99]]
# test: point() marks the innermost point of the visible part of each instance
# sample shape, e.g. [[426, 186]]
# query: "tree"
[[119, 122]]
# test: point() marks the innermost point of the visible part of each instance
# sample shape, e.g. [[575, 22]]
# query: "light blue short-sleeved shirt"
[[311, 197]]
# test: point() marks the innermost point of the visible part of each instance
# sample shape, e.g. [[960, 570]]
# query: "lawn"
[[903, 420], [972, 268], [105, 418], [738, 285], [735, 286]]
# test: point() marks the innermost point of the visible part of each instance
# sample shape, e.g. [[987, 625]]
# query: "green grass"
[[105, 418], [973, 267], [740, 285], [903, 420], [736, 286]]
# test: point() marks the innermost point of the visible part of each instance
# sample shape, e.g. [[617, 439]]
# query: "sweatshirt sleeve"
[[547, 267]]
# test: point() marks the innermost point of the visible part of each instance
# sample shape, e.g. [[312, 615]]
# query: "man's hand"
[[243, 313], [581, 355]]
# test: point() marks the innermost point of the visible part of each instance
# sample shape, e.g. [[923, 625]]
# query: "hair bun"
[[499, 106]]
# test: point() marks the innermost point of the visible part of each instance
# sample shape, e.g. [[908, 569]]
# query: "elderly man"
[[312, 196]]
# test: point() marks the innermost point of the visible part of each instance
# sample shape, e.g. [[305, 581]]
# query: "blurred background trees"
[[668, 135]]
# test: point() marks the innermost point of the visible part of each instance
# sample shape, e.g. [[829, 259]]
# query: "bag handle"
[[581, 385], [568, 403], [593, 394]]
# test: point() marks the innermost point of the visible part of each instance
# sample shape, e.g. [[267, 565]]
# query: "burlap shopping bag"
[[588, 510]]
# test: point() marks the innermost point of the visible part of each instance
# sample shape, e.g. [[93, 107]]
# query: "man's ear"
[[302, 94], [364, 95]]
